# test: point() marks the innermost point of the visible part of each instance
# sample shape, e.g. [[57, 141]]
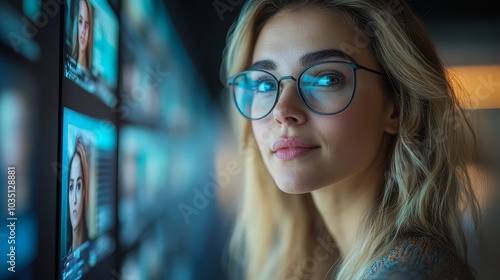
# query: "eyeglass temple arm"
[[230, 80], [373, 71]]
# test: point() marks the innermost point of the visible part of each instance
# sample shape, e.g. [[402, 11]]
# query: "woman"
[[352, 133], [78, 180], [82, 40]]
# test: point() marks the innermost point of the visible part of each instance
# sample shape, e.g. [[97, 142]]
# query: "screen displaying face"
[[91, 47], [87, 192]]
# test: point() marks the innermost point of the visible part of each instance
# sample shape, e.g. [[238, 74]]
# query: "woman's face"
[[76, 192], [83, 26], [304, 151]]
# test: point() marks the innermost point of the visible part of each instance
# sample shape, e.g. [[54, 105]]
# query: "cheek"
[[79, 196], [358, 123], [261, 130], [357, 132]]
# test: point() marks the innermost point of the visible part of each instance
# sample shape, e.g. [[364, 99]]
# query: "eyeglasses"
[[325, 88]]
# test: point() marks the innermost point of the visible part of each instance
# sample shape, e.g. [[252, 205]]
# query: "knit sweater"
[[419, 258]]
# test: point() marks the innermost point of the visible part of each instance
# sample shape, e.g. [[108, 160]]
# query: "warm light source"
[[478, 86]]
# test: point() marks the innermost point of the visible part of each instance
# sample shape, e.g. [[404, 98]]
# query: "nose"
[[74, 197], [289, 110]]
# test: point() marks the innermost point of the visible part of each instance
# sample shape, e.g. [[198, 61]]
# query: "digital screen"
[[87, 192], [141, 95], [146, 262], [143, 72], [91, 47], [143, 177]]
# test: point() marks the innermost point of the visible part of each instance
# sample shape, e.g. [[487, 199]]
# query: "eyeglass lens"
[[325, 88]]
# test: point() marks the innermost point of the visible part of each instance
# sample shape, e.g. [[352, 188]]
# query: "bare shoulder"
[[419, 257]]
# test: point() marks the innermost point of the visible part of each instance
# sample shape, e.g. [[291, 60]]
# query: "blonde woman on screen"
[[83, 34], [352, 133], [78, 180]]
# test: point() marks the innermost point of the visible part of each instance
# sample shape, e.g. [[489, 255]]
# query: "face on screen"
[[83, 26], [75, 192]]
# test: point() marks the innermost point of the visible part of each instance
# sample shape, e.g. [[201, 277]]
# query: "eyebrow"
[[264, 65], [313, 57], [305, 60], [77, 179]]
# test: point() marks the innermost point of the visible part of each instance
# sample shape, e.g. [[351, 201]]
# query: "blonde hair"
[[427, 187], [75, 52]]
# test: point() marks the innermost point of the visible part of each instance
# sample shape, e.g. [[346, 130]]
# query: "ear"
[[391, 115]]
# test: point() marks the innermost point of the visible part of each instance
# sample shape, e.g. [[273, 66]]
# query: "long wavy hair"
[[75, 50], [427, 182]]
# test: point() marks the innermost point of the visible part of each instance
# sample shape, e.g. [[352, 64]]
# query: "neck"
[[82, 59], [344, 206], [77, 237]]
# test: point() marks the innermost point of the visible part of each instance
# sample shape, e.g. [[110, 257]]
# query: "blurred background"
[[173, 172]]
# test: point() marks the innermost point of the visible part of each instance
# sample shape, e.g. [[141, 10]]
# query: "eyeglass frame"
[[354, 67]]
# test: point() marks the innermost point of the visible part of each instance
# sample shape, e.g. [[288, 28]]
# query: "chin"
[[293, 183], [293, 188]]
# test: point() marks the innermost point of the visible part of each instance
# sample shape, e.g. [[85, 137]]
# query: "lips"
[[291, 148]]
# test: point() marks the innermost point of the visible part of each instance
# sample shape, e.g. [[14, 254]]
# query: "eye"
[[70, 187], [265, 86], [328, 80], [78, 186]]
